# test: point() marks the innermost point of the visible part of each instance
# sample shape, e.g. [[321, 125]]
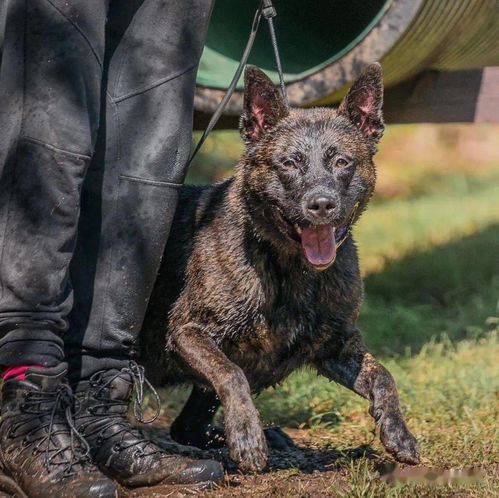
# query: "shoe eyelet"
[[138, 454], [117, 447]]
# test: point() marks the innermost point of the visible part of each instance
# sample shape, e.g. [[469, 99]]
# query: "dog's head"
[[309, 172]]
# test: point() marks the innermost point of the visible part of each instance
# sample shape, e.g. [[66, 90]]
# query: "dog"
[[260, 275]]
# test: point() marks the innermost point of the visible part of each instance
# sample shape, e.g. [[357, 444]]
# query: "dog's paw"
[[247, 443], [277, 439], [398, 441]]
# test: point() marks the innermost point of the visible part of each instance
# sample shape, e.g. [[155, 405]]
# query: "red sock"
[[18, 373]]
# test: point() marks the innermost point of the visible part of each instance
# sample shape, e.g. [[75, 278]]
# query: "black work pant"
[[95, 130]]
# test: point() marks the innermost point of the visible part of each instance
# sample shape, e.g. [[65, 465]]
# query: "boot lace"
[[116, 420], [46, 415], [139, 379]]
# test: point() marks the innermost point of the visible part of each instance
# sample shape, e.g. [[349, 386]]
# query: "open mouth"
[[318, 242]]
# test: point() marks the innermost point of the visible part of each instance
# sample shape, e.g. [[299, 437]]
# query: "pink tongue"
[[318, 244]]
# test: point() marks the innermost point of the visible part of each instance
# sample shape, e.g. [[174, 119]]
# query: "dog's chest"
[[279, 327]]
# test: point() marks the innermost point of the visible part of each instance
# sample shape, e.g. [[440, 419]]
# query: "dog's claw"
[[250, 454], [249, 462], [247, 443], [399, 442]]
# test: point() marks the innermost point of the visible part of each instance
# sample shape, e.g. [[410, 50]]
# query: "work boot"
[[119, 448], [41, 453]]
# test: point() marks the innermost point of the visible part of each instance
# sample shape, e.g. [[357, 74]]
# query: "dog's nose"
[[320, 205]]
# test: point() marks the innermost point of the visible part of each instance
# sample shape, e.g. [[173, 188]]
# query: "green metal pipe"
[[325, 44]]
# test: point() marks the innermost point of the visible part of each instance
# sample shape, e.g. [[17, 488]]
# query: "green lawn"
[[432, 267]]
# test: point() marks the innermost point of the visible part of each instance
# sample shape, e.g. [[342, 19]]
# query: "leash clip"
[[268, 10]]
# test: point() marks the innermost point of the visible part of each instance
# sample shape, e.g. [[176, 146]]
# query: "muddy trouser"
[[95, 130]]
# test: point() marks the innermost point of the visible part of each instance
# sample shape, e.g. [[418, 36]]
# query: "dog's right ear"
[[264, 105], [363, 102]]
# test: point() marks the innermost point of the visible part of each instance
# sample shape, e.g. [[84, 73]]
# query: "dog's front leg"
[[243, 429], [350, 364]]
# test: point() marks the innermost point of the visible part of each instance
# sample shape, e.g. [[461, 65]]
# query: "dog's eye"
[[341, 163], [289, 163]]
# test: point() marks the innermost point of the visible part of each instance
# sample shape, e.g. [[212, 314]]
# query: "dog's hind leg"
[[277, 439], [349, 363], [243, 430], [194, 425]]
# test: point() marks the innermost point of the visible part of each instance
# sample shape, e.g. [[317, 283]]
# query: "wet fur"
[[236, 307]]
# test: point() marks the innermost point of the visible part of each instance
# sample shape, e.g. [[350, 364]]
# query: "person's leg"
[[153, 49], [50, 79], [127, 208], [50, 82]]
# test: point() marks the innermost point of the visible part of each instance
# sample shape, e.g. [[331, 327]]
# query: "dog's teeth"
[[297, 228]]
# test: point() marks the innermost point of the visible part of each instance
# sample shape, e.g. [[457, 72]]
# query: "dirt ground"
[[304, 471], [312, 469]]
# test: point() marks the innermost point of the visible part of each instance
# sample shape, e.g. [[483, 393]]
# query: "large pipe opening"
[[325, 44], [311, 35]]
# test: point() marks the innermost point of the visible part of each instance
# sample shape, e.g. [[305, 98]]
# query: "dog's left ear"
[[364, 101], [264, 105]]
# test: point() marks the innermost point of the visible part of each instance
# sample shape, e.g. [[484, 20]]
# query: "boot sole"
[[10, 489]]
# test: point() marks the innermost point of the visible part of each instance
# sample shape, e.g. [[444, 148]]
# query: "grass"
[[430, 266], [364, 482], [452, 289], [446, 389], [393, 228]]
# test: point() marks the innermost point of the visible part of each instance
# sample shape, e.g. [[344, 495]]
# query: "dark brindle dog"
[[261, 276]]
